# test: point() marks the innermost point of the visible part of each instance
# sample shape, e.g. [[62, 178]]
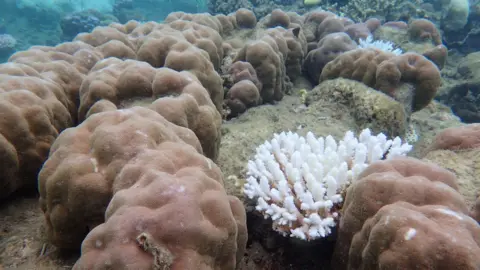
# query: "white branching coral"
[[300, 182], [383, 45]]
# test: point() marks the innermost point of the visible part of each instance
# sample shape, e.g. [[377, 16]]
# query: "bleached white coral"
[[383, 45], [300, 182]]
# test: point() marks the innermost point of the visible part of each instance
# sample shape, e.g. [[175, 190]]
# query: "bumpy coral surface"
[[245, 90], [405, 236], [458, 138], [386, 182], [79, 178], [411, 78], [175, 215], [327, 49], [177, 96], [39, 94]]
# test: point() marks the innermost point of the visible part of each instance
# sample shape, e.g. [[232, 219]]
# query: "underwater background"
[[240, 134], [42, 22]]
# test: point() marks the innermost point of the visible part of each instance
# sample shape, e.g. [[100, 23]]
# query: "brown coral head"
[[437, 55], [458, 138], [245, 18], [422, 30]]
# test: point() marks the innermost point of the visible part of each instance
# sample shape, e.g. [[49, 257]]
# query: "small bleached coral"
[[383, 45], [299, 182]]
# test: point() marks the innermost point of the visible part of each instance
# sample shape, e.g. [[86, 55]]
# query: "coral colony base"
[[300, 182]]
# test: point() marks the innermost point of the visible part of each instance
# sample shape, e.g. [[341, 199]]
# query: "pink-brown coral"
[[404, 236], [177, 96], [458, 138], [78, 180], [387, 182], [175, 215], [410, 77]]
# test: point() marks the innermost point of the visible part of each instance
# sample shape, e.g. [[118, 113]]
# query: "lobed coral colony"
[[122, 128]]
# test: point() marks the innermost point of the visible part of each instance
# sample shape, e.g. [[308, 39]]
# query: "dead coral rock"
[[368, 108]]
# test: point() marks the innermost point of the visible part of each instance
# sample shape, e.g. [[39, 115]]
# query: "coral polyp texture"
[[424, 206], [300, 182], [172, 214]]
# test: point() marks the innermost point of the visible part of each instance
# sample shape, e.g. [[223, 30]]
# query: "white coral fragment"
[[383, 45], [299, 182]]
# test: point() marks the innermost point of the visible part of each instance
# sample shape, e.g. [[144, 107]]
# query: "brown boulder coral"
[[424, 30], [410, 77], [166, 46], [458, 138], [177, 96], [275, 54], [405, 236], [175, 215], [39, 98], [245, 90], [384, 183], [78, 180], [327, 49], [245, 18]]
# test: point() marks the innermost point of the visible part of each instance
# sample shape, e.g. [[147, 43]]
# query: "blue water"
[[25, 23]]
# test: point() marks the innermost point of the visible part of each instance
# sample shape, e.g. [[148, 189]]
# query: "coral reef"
[[122, 129]]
